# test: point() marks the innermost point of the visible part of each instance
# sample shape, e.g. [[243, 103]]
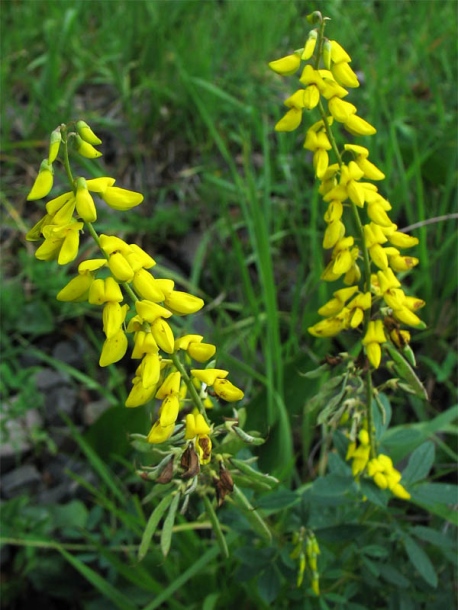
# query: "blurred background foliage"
[[180, 93]]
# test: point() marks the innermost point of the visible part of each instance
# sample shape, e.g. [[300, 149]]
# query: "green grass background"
[[181, 95]]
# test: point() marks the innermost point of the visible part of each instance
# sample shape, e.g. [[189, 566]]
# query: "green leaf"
[[406, 372], [152, 524], [318, 372], [269, 584], [382, 412], [428, 534], [73, 514], [248, 470], [420, 560], [374, 494], [332, 485], [252, 515], [216, 526], [436, 493], [278, 500], [166, 534], [392, 575], [420, 463]]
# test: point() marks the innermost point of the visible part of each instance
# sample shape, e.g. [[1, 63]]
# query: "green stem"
[[191, 388], [68, 169]]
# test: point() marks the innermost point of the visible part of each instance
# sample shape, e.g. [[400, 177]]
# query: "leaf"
[[152, 524], [216, 526], [246, 469], [374, 494], [428, 534], [332, 485], [392, 575], [420, 463], [382, 412], [166, 534], [420, 560], [406, 372], [318, 372], [254, 518], [278, 500], [437, 493], [269, 584]]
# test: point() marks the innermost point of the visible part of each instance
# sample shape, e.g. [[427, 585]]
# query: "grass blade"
[[152, 524]]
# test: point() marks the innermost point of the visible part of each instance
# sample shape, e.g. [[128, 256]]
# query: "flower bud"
[[85, 149], [87, 134], [54, 145]]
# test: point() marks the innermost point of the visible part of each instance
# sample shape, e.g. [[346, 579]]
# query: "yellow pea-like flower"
[[85, 149], [182, 303], [113, 349], [286, 65], [43, 182]]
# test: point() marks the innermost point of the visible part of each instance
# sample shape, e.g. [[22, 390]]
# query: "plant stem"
[[191, 388]]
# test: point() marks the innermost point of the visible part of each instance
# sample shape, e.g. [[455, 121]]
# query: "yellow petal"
[[182, 303], [113, 349], [290, 121], [209, 376], [227, 391], [121, 199], [286, 65]]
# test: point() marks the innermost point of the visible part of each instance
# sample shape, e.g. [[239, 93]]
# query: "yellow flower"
[[147, 286], [105, 291], [43, 182], [227, 391], [337, 303], [209, 376], [85, 205], [286, 65], [54, 145], [121, 199], [87, 134], [150, 311], [310, 45], [290, 121], [182, 303], [85, 149], [159, 434], [61, 242], [198, 430], [113, 348], [374, 337]]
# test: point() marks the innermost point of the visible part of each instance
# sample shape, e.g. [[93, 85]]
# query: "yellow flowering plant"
[[177, 376], [364, 254]]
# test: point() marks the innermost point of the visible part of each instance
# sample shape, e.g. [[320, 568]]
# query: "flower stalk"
[[372, 303]]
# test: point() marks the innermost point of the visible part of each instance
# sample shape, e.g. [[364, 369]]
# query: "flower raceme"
[[368, 260], [125, 269]]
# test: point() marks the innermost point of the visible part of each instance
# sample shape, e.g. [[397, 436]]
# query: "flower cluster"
[[124, 270], [364, 247], [380, 468], [346, 187]]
